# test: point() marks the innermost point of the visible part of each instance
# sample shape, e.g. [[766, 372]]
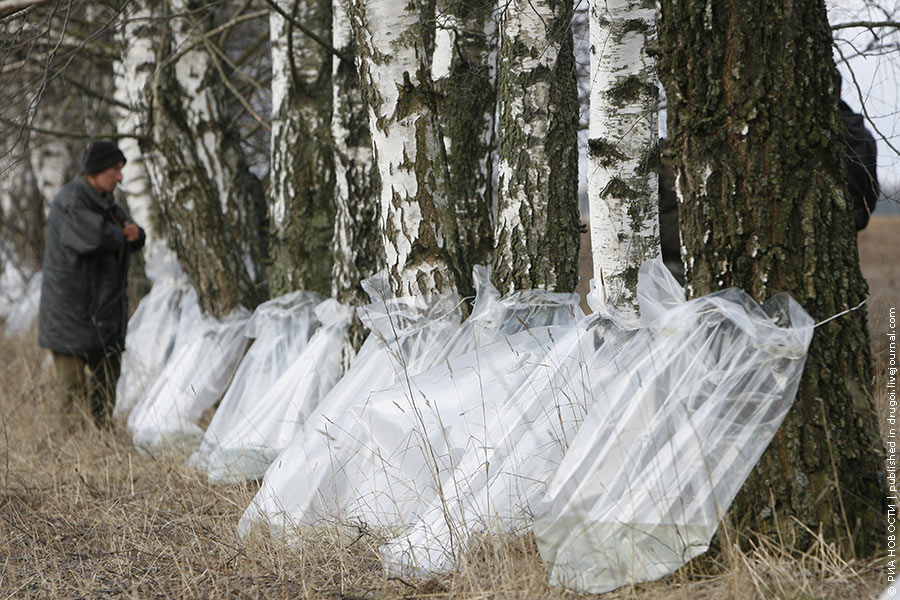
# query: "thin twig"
[[10, 7], [70, 135], [237, 94], [307, 31], [206, 36], [862, 102], [866, 24]]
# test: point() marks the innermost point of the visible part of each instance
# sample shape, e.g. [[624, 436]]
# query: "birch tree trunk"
[[22, 215], [537, 232], [756, 138], [53, 162], [394, 42], [465, 74], [301, 170], [623, 146], [357, 243], [213, 207], [133, 75]]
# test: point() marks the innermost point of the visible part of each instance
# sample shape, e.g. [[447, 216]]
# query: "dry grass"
[[85, 516]]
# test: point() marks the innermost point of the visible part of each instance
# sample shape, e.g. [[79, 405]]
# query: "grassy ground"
[[86, 516]]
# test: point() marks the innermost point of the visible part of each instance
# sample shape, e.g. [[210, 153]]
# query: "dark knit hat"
[[102, 155]]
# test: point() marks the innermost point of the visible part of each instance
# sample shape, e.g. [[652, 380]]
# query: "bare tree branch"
[[11, 7], [69, 134], [211, 48], [215, 50], [862, 103], [307, 31], [87, 91], [213, 32], [866, 24]]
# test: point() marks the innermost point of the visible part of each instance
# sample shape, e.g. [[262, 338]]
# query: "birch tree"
[[756, 135], [537, 232], [395, 43], [22, 215], [623, 149], [213, 207], [56, 98], [464, 71], [133, 73], [358, 247], [301, 171]]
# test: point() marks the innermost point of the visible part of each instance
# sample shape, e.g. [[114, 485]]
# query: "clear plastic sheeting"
[[152, 329], [24, 313], [207, 352], [281, 329], [378, 452], [496, 465], [407, 335], [245, 451], [413, 435], [679, 419]]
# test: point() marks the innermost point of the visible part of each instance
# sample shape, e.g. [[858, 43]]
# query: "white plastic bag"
[[246, 451], [152, 329], [280, 329], [687, 408], [24, 312], [411, 435], [195, 377], [501, 460], [343, 459], [407, 335]]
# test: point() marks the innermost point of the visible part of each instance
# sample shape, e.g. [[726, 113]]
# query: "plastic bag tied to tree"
[[152, 329], [499, 452], [410, 436], [678, 422], [280, 330], [23, 313], [406, 335], [207, 352], [343, 466]]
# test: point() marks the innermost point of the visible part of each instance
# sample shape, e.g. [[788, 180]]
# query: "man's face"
[[106, 181]]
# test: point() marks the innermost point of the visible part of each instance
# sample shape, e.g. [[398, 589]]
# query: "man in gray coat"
[[84, 302]]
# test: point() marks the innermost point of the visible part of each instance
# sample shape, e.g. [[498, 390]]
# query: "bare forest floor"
[[85, 516]]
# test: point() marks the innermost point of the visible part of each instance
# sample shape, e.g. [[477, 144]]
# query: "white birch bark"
[[22, 216], [395, 73], [53, 160], [536, 235], [623, 146], [133, 72], [212, 204], [357, 237], [357, 243]]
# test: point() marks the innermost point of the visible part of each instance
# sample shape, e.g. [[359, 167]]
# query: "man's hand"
[[131, 231]]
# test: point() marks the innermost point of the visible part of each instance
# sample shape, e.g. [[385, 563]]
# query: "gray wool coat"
[[84, 301]]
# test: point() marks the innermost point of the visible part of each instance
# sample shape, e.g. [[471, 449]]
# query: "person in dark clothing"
[[83, 312], [669, 236], [862, 174]]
